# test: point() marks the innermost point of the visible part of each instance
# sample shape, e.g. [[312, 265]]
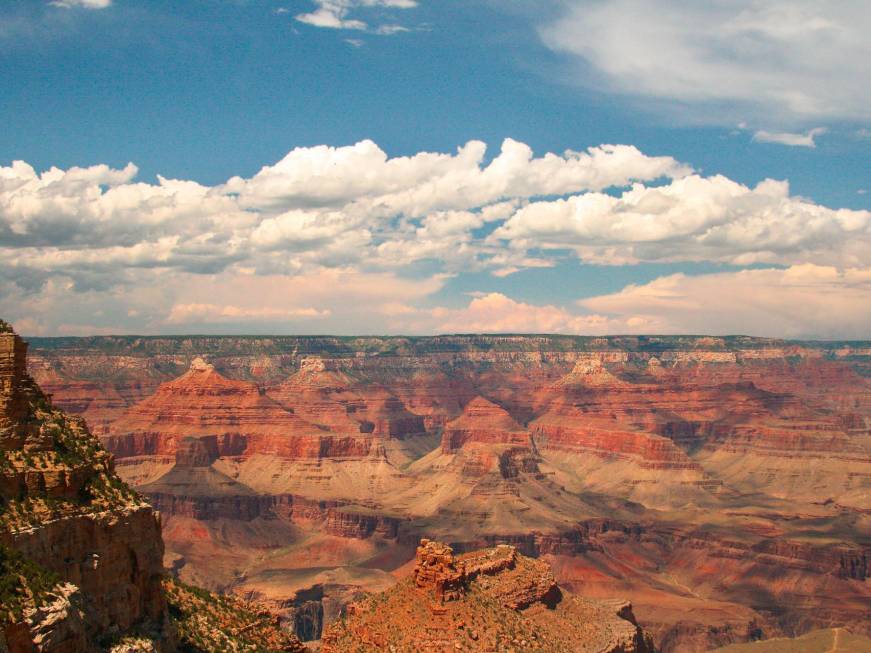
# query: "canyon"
[[722, 485], [81, 553]]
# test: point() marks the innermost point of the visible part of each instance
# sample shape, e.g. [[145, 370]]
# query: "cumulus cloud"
[[806, 139], [335, 14], [348, 239], [431, 181], [780, 60], [694, 219], [317, 207]]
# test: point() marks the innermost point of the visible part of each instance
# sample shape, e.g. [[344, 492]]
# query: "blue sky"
[[205, 91]]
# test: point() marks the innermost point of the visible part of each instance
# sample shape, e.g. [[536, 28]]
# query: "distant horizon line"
[[735, 336]]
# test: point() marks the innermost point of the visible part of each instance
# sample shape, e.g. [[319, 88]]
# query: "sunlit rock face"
[[488, 600], [82, 549], [722, 484]]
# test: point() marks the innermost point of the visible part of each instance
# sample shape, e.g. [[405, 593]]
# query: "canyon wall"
[[65, 516], [722, 484]]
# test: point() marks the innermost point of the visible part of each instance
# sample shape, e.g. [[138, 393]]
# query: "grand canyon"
[[722, 485], [416, 326]]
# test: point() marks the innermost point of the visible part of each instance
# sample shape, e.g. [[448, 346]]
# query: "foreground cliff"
[[489, 600], [90, 546]]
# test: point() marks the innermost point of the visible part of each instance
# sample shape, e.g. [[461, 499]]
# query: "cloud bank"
[[350, 240]]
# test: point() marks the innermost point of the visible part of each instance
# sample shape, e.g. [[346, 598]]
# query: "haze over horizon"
[[571, 167]]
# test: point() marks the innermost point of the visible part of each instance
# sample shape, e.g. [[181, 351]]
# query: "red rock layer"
[[334, 400], [490, 600], [483, 422], [746, 462], [243, 421]]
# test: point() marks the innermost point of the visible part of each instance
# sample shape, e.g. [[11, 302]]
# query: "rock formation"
[[490, 600], [723, 484], [207, 623], [435, 570], [69, 519]]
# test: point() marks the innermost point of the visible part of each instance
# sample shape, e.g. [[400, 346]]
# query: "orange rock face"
[[332, 399], [483, 422], [436, 571], [488, 600], [64, 510], [241, 418]]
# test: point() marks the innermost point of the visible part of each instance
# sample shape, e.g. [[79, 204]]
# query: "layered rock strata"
[[721, 483]]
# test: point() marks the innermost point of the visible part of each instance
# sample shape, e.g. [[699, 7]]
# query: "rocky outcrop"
[[331, 399], [63, 510], [55, 624], [483, 422], [436, 571], [484, 601], [203, 402]]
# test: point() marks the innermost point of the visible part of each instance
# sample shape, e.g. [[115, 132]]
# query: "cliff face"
[[721, 483], [63, 510]]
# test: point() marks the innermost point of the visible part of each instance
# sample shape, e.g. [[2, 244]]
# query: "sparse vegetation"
[[69, 452], [211, 623], [23, 584]]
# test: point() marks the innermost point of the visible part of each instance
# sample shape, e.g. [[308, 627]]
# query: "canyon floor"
[[722, 485]]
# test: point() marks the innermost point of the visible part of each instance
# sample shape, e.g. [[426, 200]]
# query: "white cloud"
[[775, 60], [430, 181], [335, 14], [314, 208], [695, 219], [788, 138], [84, 4], [339, 239], [160, 301], [497, 313], [210, 313], [800, 301]]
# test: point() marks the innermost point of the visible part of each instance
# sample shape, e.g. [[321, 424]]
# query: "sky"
[[436, 166]]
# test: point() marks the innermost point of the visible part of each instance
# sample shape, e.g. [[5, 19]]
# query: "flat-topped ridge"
[[337, 346]]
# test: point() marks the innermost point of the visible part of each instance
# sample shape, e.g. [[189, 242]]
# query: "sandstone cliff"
[[81, 553], [64, 512]]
